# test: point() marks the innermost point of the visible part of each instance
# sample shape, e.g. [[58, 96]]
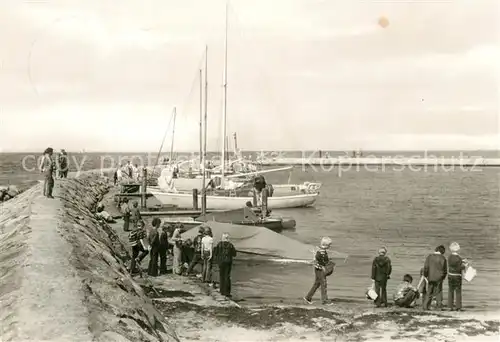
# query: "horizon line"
[[262, 150]]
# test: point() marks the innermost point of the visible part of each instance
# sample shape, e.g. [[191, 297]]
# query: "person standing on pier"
[[435, 271], [48, 168], [177, 250], [224, 253], [125, 209], [381, 272], [163, 248], [197, 250], [154, 245], [130, 170], [207, 244], [63, 164]]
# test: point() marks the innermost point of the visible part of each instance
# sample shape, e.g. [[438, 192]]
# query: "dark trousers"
[[206, 271], [138, 253], [455, 289], [195, 261], [153, 261], [381, 290], [319, 281], [63, 173], [126, 223], [48, 186], [435, 290], [407, 300], [162, 253], [225, 278]]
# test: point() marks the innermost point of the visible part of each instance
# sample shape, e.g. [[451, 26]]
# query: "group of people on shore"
[[53, 168], [436, 268], [162, 242]]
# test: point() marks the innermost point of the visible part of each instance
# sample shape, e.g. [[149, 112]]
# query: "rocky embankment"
[[10, 191], [63, 276]]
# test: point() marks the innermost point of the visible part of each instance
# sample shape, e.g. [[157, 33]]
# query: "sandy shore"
[[199, 313], [64, 278]]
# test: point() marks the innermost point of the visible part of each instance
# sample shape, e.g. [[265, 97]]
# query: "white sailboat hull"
[[185, 201]]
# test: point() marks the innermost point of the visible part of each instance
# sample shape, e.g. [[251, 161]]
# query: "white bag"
[[372, 294], [469, 273]]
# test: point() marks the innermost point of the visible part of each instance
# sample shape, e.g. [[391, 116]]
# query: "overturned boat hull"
[[185, 201]]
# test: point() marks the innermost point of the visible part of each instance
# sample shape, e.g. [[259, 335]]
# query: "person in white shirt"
[[207, 243]]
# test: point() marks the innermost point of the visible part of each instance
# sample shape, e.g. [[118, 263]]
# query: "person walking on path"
[[207, 243], [381, 272], [456, 265], [321, 260], [137, 241], [225, 253], [125, 209], [197, 250], [154, 247], [48, 168], [435, 271], [177, 250], [163, 249]]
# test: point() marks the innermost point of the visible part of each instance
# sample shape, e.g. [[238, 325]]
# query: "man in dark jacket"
[[197, 250], [224, 253], [435, 271], [163, 232], [381, 272]]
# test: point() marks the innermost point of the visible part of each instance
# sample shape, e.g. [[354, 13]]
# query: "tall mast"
[[201, 118], [173, 136], [204, 155], [224, 108], [235, 143]]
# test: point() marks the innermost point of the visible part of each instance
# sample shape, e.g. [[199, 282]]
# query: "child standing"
[[381, 272], [135, 214], [206, 254], [225, 252], [125, 209], [321, 260], [455, 265], [137, 239]]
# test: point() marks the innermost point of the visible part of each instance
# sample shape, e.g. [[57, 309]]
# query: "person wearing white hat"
[[381, 272], [321, 261], [455, 267]]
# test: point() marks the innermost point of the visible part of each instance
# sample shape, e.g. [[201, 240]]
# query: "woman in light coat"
[[177, 249]]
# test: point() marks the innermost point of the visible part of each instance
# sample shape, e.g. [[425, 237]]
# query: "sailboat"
[[169, 190]]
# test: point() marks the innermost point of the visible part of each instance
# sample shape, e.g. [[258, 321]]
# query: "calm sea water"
[[408, 212]]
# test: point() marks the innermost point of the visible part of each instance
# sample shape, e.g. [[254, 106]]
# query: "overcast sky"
[[105, 75]]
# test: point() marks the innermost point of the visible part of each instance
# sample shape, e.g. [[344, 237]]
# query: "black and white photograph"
[[249, 170]]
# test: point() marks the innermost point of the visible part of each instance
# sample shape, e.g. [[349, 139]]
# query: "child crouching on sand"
[[406, 295], [323, 267]]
